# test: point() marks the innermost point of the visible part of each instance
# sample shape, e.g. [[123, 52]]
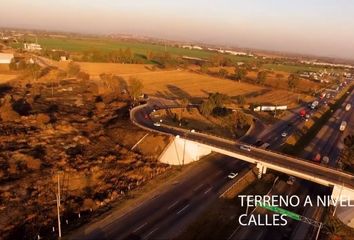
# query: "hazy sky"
[[322, 27]]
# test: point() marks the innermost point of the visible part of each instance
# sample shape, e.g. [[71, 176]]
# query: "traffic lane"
[[121, 224], [182, 191], [173, 224], [259, 232], [158, 206], [257, 154]]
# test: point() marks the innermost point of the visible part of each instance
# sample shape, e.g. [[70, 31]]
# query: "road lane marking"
[[185, 207], [208, 190], [140, 227], [173, 204], [149, 234], [198, 187]]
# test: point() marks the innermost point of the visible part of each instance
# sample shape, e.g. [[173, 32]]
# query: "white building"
[[32, 47], [6, 58], [197, 47]]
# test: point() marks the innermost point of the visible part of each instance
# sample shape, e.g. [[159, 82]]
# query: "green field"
[[106, 45], [292, 68]]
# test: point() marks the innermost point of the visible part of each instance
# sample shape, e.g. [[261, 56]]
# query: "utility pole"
[[58, 206], [338, 199], [318, 231]]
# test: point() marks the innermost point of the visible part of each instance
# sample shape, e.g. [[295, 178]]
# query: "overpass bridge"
[[188, 146]]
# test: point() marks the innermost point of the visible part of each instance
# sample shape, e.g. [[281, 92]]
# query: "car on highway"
[[156, 124], [284, 134], [317, 158], [232, 175], [347, 107], [291, 180], [192, 131], [325, 160], [259, 143], [245, 147], [342, 126]]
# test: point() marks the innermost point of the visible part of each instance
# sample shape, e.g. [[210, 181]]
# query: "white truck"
[[342, 126], [347, 107]]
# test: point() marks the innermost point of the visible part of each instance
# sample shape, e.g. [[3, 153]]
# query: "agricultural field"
[[177, 84], [106, 45], [95, 69]]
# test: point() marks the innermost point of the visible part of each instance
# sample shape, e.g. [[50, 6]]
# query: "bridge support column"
[[261, 170]]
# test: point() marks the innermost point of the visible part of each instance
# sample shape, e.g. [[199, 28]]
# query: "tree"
[[83, 76], [223, 73], [150, 56], [293, 81], [34, 70], [204, 68], [135, 88], [73, 69], [206, 108], [241, 99], [240, 73], [184, 105], [261, 77]]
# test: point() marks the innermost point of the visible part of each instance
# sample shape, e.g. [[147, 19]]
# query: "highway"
[[232, 148], [173, 208], [167, 213], [326, 142]]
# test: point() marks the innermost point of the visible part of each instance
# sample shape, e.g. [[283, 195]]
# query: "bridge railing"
[[233, 149]]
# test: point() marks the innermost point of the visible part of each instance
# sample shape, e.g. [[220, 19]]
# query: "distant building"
[[32, 47], [197, 47], [6, 58], [63, 58]]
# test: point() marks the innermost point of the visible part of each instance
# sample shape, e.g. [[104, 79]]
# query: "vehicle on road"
[[302, 113], [307, 117], [156, 124], [284, 134], [259, 143], [245, 147], [342, 126], [347, 107], [265, 146], [314, 104], [192, 131], [232, 175], [317, 158], [291, 180], [325, 160]]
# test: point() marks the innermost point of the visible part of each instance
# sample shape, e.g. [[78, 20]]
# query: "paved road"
[[326, 142], [181, 201]]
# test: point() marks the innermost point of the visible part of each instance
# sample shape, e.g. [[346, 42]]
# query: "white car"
[[157, 124], [192, 131], [284, 134], [232, 175], [245, 147]]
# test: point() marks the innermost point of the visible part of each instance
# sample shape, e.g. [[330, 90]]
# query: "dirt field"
[[177, 84], [6, 77], [95, 69]]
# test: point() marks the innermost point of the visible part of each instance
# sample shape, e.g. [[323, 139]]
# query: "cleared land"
[[6, 77]]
